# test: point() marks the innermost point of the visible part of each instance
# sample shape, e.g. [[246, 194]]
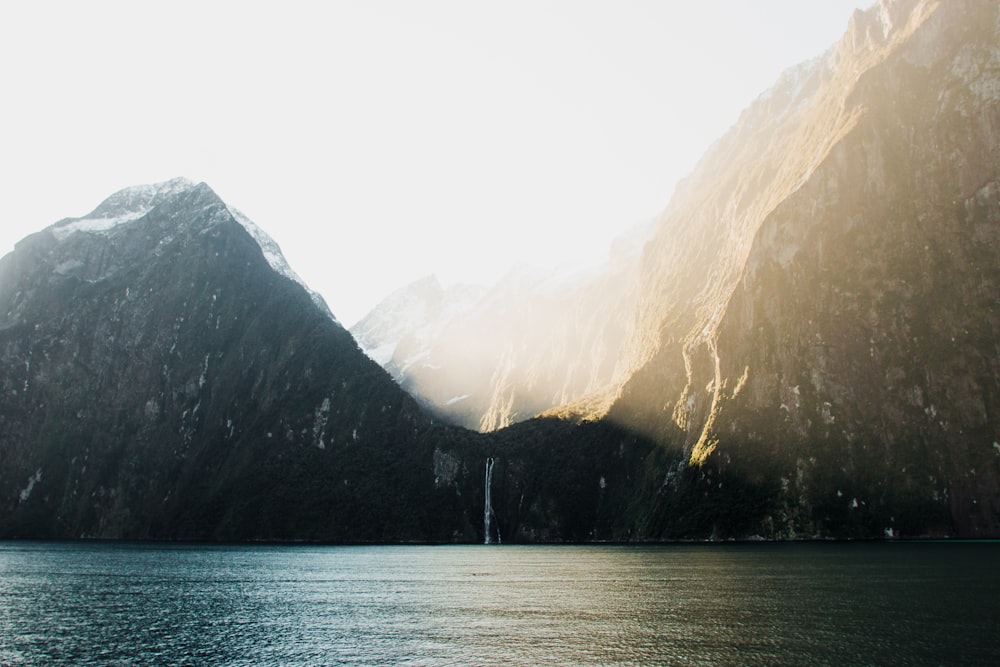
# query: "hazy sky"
[[379, 141]]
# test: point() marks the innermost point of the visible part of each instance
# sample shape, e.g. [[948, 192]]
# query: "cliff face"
[[161, 377], [819, 306], [808, 347]]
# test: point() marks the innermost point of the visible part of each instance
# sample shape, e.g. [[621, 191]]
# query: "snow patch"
[[204, 372], [319, 426], [67, 267], [94, 225], [456, 399], [34, 479], [122, 207]]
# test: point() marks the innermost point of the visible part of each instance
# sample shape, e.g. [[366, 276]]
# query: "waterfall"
[[488, 513]]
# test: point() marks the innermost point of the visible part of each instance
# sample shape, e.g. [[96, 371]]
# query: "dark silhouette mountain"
[[164, 376]]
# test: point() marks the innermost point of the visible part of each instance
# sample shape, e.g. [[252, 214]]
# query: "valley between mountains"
[[804, 344]]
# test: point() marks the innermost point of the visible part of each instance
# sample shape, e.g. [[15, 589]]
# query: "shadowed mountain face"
[[163, 377]]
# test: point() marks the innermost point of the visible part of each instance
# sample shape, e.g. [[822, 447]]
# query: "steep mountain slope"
[[162, 375], [402, 331], [818, 305], [488, 358], [808, 347]]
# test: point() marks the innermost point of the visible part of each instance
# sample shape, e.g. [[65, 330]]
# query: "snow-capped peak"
[[132, 203], [123, 206]]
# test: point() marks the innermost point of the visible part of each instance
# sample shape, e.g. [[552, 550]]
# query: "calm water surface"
[[796, 604]]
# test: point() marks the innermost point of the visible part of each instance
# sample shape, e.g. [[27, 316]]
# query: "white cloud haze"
[[379, 141]]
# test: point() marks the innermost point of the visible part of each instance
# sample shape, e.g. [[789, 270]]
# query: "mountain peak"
[[126, 205], [873, 28], [138, 199], [135, 202]]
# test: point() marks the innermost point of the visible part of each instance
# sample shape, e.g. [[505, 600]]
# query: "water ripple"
[[136, 604]]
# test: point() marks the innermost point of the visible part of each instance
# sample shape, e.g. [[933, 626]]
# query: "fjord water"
[[768, 604]]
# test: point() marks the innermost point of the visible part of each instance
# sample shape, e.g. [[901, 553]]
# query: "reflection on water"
[[833, 604]]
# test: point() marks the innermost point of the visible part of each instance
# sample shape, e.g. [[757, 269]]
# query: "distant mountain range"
[[804, 344], [487, 358]]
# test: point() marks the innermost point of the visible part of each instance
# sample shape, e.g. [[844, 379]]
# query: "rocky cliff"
[[164, 375], [807, 347], [818, 306]]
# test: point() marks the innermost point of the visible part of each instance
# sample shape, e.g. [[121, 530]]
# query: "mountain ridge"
[[485, 358], [804, 348], [888, 137], [163, 380], [738, 368]]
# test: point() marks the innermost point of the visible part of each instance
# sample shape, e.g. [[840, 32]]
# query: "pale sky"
[[379, 141]]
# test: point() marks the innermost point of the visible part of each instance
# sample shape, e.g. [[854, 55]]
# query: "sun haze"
[[381, 141]]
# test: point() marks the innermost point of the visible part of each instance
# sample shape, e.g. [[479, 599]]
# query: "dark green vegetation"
[[161, 380]]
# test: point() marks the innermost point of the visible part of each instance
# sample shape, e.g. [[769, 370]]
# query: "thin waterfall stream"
[[488, 513]]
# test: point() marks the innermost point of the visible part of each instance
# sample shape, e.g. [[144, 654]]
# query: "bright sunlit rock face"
[[817, 298], [820, 294]]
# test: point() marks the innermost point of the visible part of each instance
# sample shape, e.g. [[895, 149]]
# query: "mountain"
[[164, 375], [485, 358], [805, 346], [809, 332], [401, 332], [818, 306]]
